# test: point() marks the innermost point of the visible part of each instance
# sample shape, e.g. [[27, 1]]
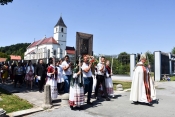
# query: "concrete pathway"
[[120, 107]]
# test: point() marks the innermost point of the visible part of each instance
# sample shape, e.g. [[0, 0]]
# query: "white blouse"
[[28, 69]]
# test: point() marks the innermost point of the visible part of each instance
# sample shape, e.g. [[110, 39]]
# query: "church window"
[[56, 29], [48, 53], [62, 30], [54, 52], [62, 35]]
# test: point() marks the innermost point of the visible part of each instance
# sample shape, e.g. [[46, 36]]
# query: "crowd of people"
[[63, 76], [79, 78]]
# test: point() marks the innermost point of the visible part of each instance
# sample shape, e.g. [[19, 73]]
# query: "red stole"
[[147, 84]]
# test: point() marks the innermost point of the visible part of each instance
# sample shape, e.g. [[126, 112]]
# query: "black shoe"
[[97, 98], [150, 104], [103, 96], [107, 99], [80, 108], [71, 107], [90, 103]]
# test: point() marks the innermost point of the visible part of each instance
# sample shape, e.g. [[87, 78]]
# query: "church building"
[[51, 46]]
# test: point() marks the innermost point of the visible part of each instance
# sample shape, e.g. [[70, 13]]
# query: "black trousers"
[[100, 80], [41, 83], [60, 87], [18, 78]]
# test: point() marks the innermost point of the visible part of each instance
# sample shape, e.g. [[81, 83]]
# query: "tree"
[[17, 49], [173, 51], [5, 2]]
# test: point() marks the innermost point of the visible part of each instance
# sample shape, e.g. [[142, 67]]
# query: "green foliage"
[[17, 49], [5, 2], [150, 59], [173, 51], [121, 64], [3, 55]]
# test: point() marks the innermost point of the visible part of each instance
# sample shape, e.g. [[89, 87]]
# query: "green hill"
[[16, 49]]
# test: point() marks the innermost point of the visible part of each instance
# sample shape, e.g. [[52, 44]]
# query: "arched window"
[[48, 53], [62, 30]]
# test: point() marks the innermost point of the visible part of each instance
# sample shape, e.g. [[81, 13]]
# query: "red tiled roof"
[[49, 40], [70, 51], [70, 48], [14, 57], [3, 59]]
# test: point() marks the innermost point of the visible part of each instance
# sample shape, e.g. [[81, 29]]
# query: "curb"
[[24, 112]]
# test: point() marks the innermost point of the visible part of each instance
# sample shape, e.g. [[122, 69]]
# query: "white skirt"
[[76, 95], [109, 86], [53, 87], [94, 83]]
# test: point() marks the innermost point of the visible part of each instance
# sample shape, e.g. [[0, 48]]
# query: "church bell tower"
[[60, 35]]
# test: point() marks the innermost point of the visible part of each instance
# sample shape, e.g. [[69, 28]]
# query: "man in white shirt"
[[88, 80], [67, 73], [101, 78]]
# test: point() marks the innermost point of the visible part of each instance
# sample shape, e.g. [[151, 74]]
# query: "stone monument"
[[47, 97], [84, 44]]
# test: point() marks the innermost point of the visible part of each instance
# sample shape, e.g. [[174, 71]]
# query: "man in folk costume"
[[140, 89], [52, 79], [101, 79], [60, 79], [76, 94]]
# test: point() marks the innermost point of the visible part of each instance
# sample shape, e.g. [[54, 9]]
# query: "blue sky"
[[132, 26]]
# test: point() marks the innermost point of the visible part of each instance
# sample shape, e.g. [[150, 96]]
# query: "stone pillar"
[[47, 97], [132, 64], [2, 113], [119, 87], [170, 64], [65, 99], [157, 65]]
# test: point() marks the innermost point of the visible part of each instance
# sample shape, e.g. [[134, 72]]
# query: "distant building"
[[15, 58], [71, 52], [49, 47], [3, 59]]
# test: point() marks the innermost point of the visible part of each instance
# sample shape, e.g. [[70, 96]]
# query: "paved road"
[[122, 107]]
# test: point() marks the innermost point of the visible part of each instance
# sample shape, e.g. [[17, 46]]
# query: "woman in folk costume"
[[108, 80], [76, 94], [52, 79], [140, 88], [60, 79], [30, 74]]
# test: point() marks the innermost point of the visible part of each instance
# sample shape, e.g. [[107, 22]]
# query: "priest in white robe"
[[140, 88]]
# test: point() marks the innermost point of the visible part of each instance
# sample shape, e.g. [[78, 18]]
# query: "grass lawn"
[[11, 103], [172, 78], [126, 85]]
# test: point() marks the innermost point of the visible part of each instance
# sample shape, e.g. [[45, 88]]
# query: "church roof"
[[60, 23], [15, 57], [49, 40], [70, 50]]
